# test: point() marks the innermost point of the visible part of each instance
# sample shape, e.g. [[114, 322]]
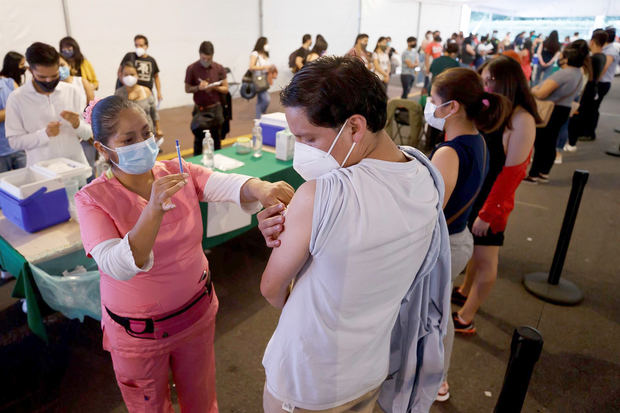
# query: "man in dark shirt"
[[445, 62], [206, 80], [468, 52], [148, 71], [298, 57]]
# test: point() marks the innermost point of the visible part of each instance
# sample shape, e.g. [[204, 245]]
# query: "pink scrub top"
[[107, 209]]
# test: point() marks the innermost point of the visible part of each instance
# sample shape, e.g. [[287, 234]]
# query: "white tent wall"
[[105, 31], [395, 18], [24, 21], [286, 21], [447, 17]]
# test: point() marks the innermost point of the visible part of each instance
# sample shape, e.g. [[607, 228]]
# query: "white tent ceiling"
[[541, 8]]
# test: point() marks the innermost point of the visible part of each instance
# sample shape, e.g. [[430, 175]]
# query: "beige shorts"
[[364, 404]]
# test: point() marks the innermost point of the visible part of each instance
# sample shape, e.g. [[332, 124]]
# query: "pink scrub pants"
[[144, 380]]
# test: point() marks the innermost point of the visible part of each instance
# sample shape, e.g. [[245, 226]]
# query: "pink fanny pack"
[[172, 322]]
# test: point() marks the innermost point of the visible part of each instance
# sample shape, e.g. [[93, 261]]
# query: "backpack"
[[291, 60]]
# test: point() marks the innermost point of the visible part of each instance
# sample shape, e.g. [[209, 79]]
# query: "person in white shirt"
[[356, 234], [42, 117]]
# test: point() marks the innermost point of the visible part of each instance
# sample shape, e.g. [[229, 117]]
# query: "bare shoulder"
[[521, 118], [303, 200]]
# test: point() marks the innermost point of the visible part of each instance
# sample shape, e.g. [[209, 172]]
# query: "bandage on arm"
[[114, 258]]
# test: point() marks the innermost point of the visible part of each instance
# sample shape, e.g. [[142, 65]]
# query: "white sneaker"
[[558, 159], [419, 84], [570, 148]]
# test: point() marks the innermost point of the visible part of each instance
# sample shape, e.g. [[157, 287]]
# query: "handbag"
[[545, 107], [260, 81]]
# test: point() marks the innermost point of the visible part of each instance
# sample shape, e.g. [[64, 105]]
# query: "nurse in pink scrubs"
[[141, 223]]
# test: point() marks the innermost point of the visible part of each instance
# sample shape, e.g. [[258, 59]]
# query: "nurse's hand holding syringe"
[[142, 235]]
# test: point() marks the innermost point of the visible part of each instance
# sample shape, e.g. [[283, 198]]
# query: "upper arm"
[[521, 138], [608, 61], [545, 89], [253, 59], [287, 260], [446, 160], [96, 225], [199, 176]]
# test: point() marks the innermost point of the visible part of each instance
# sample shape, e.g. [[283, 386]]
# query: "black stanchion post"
[[525, 350], [550, 287]]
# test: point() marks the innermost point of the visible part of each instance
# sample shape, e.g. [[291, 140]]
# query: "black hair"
[[128, 63], [41, 54], [510, 81], [10, 67], [320, 46], [611, 34], [452, 48], [360, 37], [141, 36], [576, 53], [78, 57], [260, 45], [104, 116], [489, 111], [437, 38], [600, 36], [411, 39], [552, 43], [206, 48], [382, 38], [332, 89], [305, 38]]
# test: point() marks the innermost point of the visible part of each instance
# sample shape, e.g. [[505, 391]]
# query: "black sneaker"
[[585, 138], [467, 329], [530, 179], [457, 297], [543, 178]]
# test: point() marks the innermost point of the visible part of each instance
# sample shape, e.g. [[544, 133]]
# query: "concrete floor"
[[578, 370]]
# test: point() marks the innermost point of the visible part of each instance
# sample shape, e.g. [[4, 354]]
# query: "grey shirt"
[[610, 50], [148, 105], [412, 56], [569, 80]]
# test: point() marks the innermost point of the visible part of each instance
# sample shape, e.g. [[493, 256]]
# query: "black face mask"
[[21, 70], [412, 45], [47, 87]]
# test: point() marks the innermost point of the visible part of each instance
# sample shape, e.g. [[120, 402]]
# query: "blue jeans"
[[407, 82], [562, 136], [262, 103], [13, 160], [542, 74]]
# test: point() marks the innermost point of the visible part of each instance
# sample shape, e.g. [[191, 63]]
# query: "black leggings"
[[544, 145]]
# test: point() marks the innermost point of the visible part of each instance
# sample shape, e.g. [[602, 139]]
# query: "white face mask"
[[429, 115], [130, 80], [140, 51], [311, 163], [266, 48]]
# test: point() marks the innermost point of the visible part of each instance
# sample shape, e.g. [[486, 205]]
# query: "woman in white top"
[[260, 64], [381, 61], [67, 74], [356, 234]]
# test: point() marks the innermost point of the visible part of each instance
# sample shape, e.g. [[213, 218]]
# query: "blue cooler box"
[[33, 201], [271, 124]]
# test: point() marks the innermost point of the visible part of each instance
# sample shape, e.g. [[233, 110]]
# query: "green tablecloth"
[[267, 168]]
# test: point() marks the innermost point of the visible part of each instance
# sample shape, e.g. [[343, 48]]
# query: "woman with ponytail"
[[510, 148], [459, 105]]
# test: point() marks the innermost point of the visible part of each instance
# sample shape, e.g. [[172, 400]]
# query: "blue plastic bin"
[[271, 124], [39, 211]]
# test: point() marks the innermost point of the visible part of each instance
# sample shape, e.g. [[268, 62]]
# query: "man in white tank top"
[[355, 236]]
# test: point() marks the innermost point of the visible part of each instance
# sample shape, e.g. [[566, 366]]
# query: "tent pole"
[[420, 39], [65, 11]]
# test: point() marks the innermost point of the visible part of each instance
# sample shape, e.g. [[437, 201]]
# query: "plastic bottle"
[[257, 139], [207, 150]]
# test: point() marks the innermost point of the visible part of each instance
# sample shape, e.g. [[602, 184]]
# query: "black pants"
[[210, 119], [546, 138], [407, 82], [603, 89], [580, 124]]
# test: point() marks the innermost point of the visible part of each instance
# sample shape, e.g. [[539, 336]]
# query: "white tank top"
[[371, 229]]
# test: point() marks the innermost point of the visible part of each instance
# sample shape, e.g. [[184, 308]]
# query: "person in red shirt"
[[432, 51], [206, 80]]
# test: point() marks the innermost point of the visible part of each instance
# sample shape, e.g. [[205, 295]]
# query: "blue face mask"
[[138, 158], [64, 72]]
